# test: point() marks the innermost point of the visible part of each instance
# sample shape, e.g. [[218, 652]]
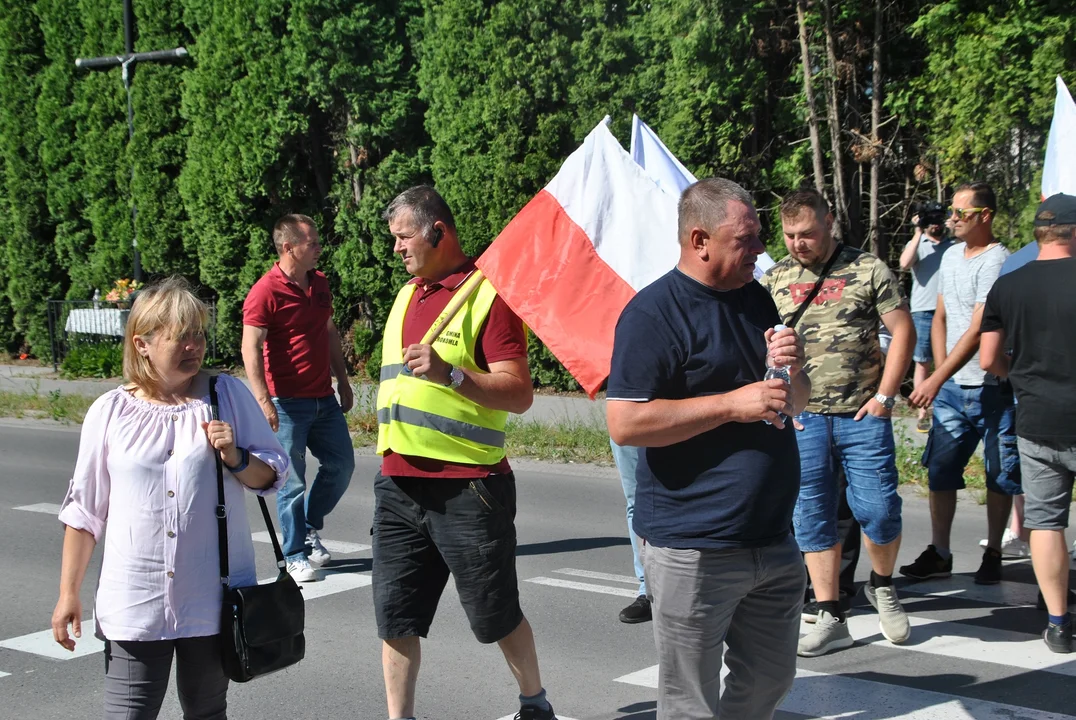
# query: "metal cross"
[[126, 63]]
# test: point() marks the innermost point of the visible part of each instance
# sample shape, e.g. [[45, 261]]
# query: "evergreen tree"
[[32, 276]]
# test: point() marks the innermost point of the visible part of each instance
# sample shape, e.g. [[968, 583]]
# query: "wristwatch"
[[455, 377], [886, 401]]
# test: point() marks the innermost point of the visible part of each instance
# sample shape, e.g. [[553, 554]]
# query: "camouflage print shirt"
[[840, 329]]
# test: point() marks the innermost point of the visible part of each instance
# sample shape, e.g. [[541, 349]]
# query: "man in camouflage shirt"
[[847, 421]]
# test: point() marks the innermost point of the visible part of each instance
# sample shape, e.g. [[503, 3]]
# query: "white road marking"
[[47, 508], [42, 643], [4, 674], [959, 586], [332, 582], [333, 546], [598, 575], [588, 587], [820, 695], [966, 642]]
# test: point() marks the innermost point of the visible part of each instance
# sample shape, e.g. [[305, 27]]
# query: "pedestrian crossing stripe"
[[4, 674], [825, 696], [965, 641], [47, 508], [42, 643], [333, 546], [586, 587]]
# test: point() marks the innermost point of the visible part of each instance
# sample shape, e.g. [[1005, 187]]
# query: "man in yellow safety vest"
[[446, 496]]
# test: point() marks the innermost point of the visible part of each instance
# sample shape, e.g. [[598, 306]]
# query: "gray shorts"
[[1048, 472]]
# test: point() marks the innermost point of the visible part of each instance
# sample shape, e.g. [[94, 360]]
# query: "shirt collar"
[[285, 279], [451, 282]]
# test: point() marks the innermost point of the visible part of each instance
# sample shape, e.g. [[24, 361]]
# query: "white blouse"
[[146, 480]]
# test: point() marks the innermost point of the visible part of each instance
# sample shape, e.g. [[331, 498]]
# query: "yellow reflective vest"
[[426, 419]]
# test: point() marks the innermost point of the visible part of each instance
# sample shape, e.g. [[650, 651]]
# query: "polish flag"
[[1059, 170], [574, 256]]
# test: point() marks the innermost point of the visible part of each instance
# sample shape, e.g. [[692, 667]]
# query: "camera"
[[930, 213]]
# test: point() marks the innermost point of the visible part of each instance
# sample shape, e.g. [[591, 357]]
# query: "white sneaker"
[[828, 634], [892, 620], [1012, 546], [301, 571], [318, 554]]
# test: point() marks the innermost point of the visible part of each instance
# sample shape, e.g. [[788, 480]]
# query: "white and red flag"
[[573, 257], [1059, 170]]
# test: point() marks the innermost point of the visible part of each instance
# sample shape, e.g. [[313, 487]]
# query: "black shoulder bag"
[[261, 626], [816, 289]]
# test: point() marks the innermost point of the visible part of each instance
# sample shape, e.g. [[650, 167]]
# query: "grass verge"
[[53, 405]]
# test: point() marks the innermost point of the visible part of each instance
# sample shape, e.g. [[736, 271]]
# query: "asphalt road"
[[974, 652]]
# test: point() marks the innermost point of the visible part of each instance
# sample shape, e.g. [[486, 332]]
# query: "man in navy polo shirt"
[[719, 472], [290, 344]]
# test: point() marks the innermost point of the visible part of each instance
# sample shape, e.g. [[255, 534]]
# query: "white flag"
[[1059, 170], [668, 172]]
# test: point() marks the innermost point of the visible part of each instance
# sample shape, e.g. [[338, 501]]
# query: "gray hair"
[[426, 206], [705, 204]]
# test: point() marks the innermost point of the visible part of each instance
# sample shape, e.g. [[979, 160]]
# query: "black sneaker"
[[929, 564], [530, 712], [1040, 603], [989, 572], [1058, 637], [637, 612]]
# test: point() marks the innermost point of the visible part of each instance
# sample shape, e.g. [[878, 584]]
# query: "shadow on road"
[[570, 545]]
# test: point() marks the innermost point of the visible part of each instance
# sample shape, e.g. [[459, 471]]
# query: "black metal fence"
[[91, 326]]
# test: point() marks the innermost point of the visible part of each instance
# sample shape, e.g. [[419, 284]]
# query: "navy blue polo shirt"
[[734, 486]]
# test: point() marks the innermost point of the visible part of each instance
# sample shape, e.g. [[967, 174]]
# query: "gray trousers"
[[746, 600], [136, 678]]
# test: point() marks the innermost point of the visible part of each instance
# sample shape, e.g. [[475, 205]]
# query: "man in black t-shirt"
[[718, 475], [1033, 311]]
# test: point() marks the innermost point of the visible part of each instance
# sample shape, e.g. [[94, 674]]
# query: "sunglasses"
[[965, 213]]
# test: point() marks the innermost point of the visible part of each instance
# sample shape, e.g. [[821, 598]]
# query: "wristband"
[[244, 460]]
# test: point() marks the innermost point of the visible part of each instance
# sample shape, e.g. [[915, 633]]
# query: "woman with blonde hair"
[[145, 481]]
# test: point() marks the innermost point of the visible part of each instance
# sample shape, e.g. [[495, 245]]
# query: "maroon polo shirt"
[[502, 337], [296, 349]]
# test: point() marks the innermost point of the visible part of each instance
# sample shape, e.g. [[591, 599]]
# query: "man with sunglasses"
[[970, 404]]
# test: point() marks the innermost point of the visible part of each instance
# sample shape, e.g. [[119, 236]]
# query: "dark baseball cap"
[[1057, 209]]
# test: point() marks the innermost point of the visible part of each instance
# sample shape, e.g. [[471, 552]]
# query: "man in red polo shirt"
[[446, 496], [290, 344]]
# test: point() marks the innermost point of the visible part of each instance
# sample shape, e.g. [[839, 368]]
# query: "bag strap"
[[222, 512], [817, 287]]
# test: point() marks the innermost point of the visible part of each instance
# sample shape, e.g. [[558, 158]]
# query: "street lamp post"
[[126, 63]]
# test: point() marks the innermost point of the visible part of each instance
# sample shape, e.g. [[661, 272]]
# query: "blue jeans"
[[627, 460], [317, 423], [866, 451], [922, 321], [962, 417]]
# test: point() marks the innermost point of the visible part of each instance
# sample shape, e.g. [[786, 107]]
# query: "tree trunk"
[[808, 93], [839, 194], [877, 243]]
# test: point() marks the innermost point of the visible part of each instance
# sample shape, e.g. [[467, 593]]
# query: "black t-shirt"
[[734, 486], [1035, 307]]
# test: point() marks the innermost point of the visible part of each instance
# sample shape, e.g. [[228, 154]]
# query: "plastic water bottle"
[[777, 371]]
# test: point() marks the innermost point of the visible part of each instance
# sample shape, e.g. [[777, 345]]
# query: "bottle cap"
[[779, 328]]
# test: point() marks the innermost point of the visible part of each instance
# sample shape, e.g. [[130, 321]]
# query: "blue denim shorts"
[[963, 416], [866, 451], [922, 321]]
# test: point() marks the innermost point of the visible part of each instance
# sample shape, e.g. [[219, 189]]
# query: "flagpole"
[[459, 299]]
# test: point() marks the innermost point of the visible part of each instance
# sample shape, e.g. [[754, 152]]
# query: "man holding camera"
[[922, 256]]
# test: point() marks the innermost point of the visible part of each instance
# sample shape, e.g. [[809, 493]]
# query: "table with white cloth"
[[97, 321]]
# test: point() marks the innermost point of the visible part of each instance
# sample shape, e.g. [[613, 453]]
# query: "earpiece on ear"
[[438, 233]]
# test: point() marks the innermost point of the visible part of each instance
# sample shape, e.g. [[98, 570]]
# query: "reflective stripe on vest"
[[424, 419], [455, 428]]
